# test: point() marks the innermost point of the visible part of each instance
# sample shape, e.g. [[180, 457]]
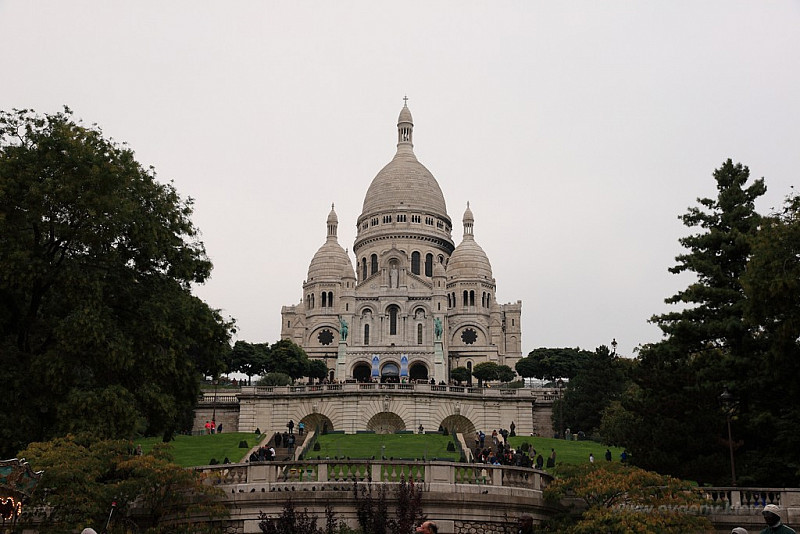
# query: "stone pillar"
[[341, 361], [439, 370]]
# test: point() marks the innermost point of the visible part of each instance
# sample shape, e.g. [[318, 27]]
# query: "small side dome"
[[331, 261], [468, 260]]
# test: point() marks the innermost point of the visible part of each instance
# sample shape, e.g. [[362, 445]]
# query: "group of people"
[[263, 454], [212, 428]]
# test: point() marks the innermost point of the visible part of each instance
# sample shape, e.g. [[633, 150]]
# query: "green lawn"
[[190, 451], [568, 452], [198, 450], [397, 446]]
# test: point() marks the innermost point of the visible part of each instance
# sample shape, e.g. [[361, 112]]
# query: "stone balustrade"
[[543, 395]]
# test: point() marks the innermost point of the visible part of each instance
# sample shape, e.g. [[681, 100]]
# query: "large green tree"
[[601, 380], [551, 363], [485, 371], [249, 358], [769, 392], [98, 326], [287, 357], [707, 342]]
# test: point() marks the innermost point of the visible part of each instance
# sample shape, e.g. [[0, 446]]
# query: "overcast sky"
[[578, 131]]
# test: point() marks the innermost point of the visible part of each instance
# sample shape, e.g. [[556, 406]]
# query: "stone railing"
[[227, 398], [341, 473], [538, 394]]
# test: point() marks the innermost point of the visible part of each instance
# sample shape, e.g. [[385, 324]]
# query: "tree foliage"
[[317, 369], [460, 374], [769, 422], [723, 337], [505, 373], [98, 326], [249, 358], [552, 363], [83, 477], [287, 357], [584, 401], [622, 498], [485, 371]]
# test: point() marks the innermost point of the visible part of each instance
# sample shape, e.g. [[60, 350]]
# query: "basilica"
[[415, 306]]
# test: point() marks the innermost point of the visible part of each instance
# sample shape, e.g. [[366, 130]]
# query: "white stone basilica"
[[416, 306]]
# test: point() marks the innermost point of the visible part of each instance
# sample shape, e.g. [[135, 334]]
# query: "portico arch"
[[386, 423], [418, 371], [361, 372], [317, 421], [458, 424]]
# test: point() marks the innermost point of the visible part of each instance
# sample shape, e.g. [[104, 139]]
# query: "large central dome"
[[404, 182]]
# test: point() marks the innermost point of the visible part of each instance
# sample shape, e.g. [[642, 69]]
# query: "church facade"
[[415, 306]]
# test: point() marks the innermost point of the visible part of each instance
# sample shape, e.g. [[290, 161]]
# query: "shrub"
[[450, 446], [243, 445], [316, 446]]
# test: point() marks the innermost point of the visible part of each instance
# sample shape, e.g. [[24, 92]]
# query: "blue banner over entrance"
[[376, 364], [404, 365]]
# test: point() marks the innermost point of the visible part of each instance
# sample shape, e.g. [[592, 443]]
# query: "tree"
[[505, 373], [460, 374], [98, 326], [317, 369], [767, 422], [584, 401], [249, 358], [549, 364], [707, 343], [275, 379], [287, 357], [485, 371], [82, 477], [622, 498]]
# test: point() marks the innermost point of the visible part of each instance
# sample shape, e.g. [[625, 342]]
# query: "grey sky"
[[578, 131]]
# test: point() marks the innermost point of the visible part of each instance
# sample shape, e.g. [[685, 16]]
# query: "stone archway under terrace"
[[318, 422], [458, 424], [386, 423]]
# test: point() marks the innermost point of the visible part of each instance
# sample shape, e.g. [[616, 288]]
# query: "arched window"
[[363, 269], [429, 264], [469, 368], [374, 264], [415, 262], [366, 334], [483, 299], [472, 298], [330, 299], [448, 301], [324, 299], [466, 298], [393, 321], [419, 334], [312, 301]]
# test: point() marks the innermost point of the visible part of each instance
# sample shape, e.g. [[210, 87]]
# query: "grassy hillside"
[[190, 451]]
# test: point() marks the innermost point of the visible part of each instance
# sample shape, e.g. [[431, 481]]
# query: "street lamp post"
[[560, 385], [728, 401]]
